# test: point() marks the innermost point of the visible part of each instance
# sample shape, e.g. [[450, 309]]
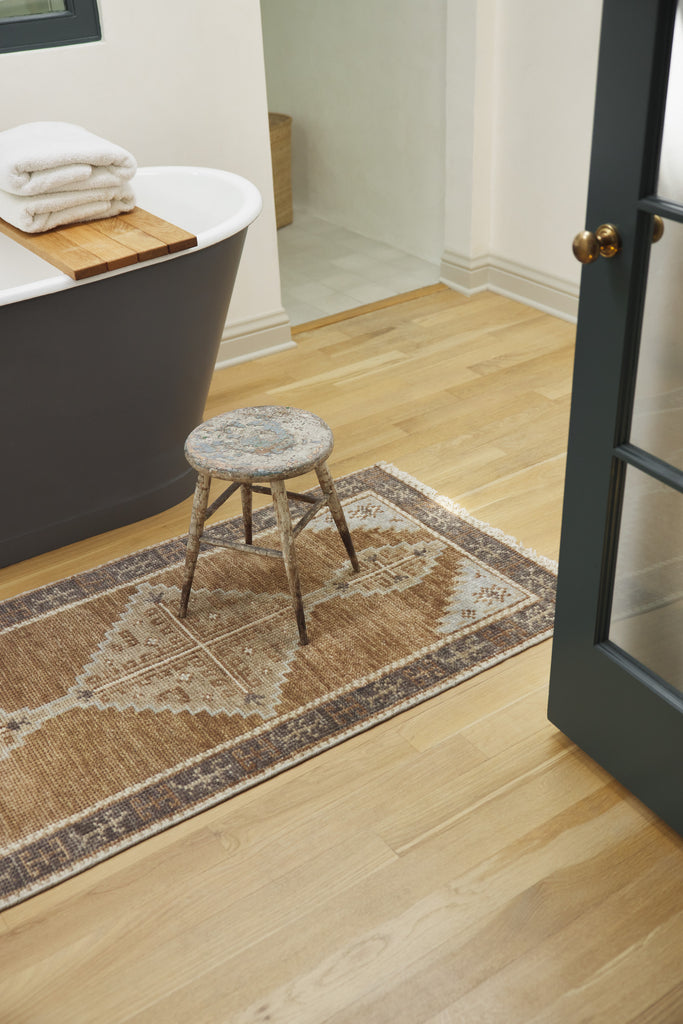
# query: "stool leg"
[[334, 505], [284, 522], [201, 499], [246, 511]]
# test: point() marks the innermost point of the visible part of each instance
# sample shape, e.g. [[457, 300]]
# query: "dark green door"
[[616, 685]]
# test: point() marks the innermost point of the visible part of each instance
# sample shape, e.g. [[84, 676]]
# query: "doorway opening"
[[364, 84]]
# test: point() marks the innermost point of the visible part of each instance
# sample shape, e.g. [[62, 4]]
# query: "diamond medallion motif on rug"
[[118, 720]]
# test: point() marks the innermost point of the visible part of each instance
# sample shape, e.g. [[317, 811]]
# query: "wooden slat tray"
[[83, 250]]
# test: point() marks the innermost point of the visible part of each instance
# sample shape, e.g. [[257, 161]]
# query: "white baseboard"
[[550, 294], [254, 337]]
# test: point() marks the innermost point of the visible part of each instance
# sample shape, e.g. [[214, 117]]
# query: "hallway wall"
[[545, 57], [364, 82], [521, 88]]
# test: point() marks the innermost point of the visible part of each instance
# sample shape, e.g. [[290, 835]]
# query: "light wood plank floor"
[[463, 862]]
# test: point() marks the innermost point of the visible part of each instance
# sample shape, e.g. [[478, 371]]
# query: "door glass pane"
[[657, 424], [647, 608], [670, 185], [21, 8]]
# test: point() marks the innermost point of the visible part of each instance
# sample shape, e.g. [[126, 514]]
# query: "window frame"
[[79, 23]]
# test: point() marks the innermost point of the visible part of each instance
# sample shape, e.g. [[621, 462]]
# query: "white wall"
[[520, 113], [174, 86], [364, 83], [468, 127], [546, 63]]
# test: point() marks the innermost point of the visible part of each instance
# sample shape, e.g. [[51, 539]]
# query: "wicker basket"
[[281, 153]]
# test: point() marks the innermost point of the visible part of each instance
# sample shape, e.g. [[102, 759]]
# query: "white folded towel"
[[53, 156], [40, 213]]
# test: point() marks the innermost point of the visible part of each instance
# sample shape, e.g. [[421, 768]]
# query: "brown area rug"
[[117, 720]]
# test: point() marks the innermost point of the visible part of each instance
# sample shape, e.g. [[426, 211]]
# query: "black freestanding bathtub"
[[102, 380]]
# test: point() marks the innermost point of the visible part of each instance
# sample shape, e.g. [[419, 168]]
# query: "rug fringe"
[[462, 513]]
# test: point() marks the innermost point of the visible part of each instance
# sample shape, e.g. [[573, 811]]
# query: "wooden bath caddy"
[[96, 246]]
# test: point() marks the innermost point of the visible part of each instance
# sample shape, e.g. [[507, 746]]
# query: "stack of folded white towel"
[[53, 173]]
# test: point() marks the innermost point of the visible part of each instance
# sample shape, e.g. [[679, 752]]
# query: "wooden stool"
[[263, 445]]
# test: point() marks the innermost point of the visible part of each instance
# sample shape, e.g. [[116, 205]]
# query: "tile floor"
[[325, 269]]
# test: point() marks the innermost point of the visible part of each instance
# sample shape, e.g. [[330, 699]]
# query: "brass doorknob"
[[657, 228], [588, 245]]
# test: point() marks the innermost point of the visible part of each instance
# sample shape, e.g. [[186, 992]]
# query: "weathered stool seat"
[[270, 442], [252, 447]]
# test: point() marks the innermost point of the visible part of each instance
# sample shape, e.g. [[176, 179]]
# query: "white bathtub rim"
[[54, 280], [249, 210]]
